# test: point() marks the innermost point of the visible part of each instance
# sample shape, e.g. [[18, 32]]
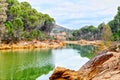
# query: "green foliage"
[[86, 32], [11, 2], [89, 28], [18, 28], [34, 34], [115, 37], [9, 27], [15, 10], [18, 23], [75, 33], [14, 30], [115, 26], [71, 38], [32, 21], [26, 5], [111, 24], [48, 19], [92, 28], [100, 26], [23, 21]]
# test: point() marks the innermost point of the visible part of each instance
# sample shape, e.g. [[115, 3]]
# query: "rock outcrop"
[[61, 73], [33, 45], [105, 66]]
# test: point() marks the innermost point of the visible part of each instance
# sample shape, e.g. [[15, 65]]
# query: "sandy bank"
[[32, 44], [85, 42]]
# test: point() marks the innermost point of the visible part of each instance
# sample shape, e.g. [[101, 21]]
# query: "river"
[[38, 64]]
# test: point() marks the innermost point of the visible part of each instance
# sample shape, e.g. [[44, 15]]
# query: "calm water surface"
[[38, 64]]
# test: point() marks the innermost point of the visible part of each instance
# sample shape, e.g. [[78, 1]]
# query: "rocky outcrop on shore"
[[33, 44], [104, 66]]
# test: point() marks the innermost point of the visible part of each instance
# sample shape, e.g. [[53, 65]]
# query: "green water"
[[38, 63]]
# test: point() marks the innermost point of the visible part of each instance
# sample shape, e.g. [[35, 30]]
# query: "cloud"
[[77, 13]]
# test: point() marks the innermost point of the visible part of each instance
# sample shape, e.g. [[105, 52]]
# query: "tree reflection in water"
[[87, 51]]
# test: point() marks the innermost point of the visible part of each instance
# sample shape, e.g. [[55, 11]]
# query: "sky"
[[74, 14]]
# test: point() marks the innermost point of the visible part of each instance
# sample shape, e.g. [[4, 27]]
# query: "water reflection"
[[72, 57], [25, 65], [32, 64], [87, 51]]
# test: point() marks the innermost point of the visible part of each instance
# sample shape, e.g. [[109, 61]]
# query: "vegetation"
[[87, 51], [19, 21], [87, 32], [109, 31], [106, 33], [115, 26], [23, 22], [3, 17]]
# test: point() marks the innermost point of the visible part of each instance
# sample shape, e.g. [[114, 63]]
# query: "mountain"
[[58, 29]]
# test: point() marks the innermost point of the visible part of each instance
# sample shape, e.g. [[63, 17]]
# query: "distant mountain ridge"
[[58, 29]]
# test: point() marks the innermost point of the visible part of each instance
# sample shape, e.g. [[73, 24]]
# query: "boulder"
[[61, 73]]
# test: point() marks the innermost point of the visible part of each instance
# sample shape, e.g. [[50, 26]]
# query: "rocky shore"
[[104, 66], [85, 42], [33, 44]]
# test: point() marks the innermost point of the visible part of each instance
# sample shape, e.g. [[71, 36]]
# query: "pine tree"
[[107, 33]]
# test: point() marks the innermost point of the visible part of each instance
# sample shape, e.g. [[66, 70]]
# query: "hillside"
[[58, 29]]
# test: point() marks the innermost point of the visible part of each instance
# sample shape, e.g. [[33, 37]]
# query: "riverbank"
[[104, 66], [33, 44], [98, 43], [85, 42], [49, 44]]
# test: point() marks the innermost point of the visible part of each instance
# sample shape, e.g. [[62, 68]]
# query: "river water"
[[38, 64]]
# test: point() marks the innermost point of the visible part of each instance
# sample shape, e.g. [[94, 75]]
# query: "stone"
[[61, 73]]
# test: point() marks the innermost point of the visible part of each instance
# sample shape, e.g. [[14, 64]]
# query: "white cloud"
[[77, 12]]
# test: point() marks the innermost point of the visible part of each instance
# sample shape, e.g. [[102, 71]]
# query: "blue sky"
[[75, 14]]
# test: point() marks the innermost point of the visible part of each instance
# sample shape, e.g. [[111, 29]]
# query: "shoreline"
[[32, 45], [50, 44], [98, 43], [85, 42]]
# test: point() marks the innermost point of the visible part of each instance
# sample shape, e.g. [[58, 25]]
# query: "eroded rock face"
[[92, 67], [110, 70], [61, 73], [105, 66]]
